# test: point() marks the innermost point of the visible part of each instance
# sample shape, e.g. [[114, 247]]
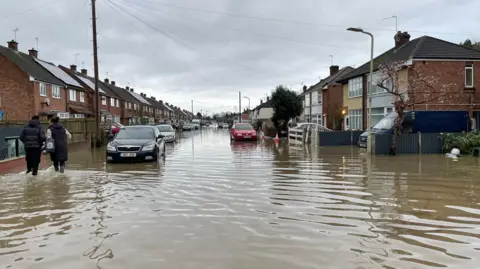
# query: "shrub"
[[465, 142]]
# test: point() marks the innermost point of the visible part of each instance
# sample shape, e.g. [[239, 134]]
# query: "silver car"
[[168, 132]]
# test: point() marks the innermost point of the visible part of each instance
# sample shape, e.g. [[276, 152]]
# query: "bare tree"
[[411, 88]]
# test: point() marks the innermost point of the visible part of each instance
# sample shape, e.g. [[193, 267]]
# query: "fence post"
[[17, 148], [420, 143]]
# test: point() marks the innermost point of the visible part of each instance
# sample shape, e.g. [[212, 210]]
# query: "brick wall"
[[332, 106], [446, 90], [16, 91]]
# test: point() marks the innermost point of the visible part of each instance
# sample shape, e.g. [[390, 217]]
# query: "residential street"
[[242, 205]]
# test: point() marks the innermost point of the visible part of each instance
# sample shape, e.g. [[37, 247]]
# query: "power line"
[[287, 21], [114, 8], [175, 39], [238, 29], [31, 9]]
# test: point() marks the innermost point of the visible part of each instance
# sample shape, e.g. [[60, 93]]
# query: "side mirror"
[[160, 136], [111, 136]]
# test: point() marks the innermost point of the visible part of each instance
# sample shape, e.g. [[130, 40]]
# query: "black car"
[[136, 143]]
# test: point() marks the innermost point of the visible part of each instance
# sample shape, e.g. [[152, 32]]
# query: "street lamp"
[[369, 118], [248, 102]]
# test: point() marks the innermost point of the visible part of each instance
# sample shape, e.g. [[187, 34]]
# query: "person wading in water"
[[33, 136], [60, 137]]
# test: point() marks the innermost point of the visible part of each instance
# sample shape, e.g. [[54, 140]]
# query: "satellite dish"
[[47, 101]]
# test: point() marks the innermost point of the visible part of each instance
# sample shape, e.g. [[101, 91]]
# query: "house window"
[[377, 114], [104, 100], [469, 76], [307, 100], [72, 95], [55, 91], [82, 97], [117, 103], [319, 98], [355, 119], [355, 87], [376, 79], [112, 102], [43, 89]]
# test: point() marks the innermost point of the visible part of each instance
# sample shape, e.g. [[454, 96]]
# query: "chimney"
[[153, 98], [32, 52], [166, 104], [73, 68], [401, 39], [334, 69], [161, 101], [107, 81], [268, 98], [84, 71], [304, 88], [131, 89], [13, 45], [112, 82], [127, 88], [261, 101]]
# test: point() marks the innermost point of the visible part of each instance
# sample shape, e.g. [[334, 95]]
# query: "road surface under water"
[[213, 204]]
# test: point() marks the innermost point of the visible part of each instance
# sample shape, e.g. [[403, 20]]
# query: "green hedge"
[[465, 142]]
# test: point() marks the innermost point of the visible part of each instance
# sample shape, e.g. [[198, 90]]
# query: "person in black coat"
[[33, 136], [60, 135]]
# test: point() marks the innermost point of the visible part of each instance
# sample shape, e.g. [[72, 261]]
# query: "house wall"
[[350, 104], [332, 106], [116, 109], [16, 92], [447, 81], [265, 113]]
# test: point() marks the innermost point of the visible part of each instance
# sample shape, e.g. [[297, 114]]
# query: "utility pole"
[[192, 110], [95, 67], [239, 106]]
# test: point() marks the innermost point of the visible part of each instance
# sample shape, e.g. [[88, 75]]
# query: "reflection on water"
[[219, 204]]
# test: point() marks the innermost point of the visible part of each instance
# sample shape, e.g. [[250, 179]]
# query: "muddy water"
[[213, 204]]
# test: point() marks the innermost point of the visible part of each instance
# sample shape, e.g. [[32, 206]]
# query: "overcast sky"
[[207, 51]]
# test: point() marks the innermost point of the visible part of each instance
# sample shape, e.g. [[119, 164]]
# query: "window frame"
[[82, 97], [469, 67], [104, 100], [355, 87], [44, 87], [56, 89], [71, 97]]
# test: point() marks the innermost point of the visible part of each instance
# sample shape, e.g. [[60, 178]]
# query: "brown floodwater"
[[212, 204]]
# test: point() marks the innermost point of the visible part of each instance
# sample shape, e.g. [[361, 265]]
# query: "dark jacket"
[[59, 135], [33, 135]]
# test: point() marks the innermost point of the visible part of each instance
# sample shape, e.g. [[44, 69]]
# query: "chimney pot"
[[401, 39], [304, 88], [13, 45], [261, 101], [268, 98], [131, 89], [127, 88], [334, 69], [107, 81], [84, 71], [33, 52], [73, 68], [112, 82]]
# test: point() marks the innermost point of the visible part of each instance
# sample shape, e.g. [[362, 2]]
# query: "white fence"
[[306, 135]]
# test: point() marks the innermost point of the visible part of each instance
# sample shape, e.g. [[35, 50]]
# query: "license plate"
[[247, 136], [128, 154], [363, 145]]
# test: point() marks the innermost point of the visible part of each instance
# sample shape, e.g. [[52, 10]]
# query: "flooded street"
[[213, 204]]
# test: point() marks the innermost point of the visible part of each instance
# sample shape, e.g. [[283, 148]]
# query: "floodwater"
[[212, 204]]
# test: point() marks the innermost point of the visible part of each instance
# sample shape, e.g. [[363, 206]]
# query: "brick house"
[[143, 107], [324, 100], [159, 109], [79, 105], [170, 113], [433, 74], [128, 115], [26, 88], [148, 110]]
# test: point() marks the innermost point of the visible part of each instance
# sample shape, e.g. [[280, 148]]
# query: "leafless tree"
[[410, 89]]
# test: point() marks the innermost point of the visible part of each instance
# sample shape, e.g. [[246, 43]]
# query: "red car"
[[243, 131], [115, 128]]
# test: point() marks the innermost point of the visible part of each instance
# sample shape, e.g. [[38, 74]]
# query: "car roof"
[[163, 125], [138, 126]]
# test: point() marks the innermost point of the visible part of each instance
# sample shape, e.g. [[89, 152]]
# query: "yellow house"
[[353, 110]]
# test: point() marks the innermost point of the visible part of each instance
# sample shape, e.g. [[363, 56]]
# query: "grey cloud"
[[256, 55]]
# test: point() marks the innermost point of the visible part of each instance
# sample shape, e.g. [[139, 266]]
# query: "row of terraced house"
[[31, 86], [434, 74]]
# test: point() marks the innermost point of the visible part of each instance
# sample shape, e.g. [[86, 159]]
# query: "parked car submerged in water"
[[136, 143], [168, 132]]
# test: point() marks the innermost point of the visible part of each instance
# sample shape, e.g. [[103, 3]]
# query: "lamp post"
[[248, 102], [369, 118]]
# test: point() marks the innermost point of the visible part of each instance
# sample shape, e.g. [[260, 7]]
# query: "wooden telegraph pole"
[[95, 67]]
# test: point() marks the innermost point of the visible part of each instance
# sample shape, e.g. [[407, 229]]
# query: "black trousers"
[[32, 157], [56, 163]]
